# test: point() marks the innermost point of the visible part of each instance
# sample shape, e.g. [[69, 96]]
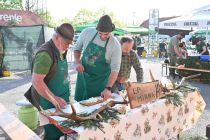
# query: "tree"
[[47, 18], [11, 4], [85, 16], [31, 5], [104, 11], [64, 20]]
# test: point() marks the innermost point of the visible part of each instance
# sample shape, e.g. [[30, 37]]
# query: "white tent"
[[187, 22], [198, 19]]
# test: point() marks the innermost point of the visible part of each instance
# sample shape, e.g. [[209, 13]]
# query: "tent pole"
[[207, 34]]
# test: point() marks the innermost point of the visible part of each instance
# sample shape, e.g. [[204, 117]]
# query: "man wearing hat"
[[50, 84], [99, 62], [173, 51]]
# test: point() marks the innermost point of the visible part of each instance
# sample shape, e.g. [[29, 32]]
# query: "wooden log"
[[189, 69], [14, 128]]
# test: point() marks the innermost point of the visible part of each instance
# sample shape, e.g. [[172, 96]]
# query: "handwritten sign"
[[141, 93]]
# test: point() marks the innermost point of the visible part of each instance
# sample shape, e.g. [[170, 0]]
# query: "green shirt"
[[42, 63], [127, 62], [199, 47]]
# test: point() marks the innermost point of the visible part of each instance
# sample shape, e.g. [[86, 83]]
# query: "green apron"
[[93, 80], [59, 86]]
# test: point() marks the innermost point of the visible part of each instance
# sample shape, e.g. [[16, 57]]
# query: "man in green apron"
[[99, 64], [50, 60]]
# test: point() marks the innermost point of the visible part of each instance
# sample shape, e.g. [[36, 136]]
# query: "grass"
[[191, 137]]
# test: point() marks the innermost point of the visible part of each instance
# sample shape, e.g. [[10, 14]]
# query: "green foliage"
[[174, 98], [85, 16], [194, 62], [11, 4], [107, 114], [198, 138], [46, 17], [86, 124], [64, 20], [192, 137]]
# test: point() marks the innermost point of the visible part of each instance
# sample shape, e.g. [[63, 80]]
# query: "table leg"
[[162, 70], [178, 137]]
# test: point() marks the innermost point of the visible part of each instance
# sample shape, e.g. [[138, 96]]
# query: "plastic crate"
[[204, 57]]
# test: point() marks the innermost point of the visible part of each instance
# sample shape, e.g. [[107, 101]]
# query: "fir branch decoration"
[[109, 113], [174, 98], [186, 89]]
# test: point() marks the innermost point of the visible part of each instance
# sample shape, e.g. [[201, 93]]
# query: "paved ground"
[[13, 88]]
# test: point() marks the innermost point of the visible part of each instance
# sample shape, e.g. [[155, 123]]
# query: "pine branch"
[[174, 99], [108, 114]]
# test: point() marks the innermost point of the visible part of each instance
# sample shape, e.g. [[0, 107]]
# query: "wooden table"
[[153, 121], [193, 65], [189, 69]]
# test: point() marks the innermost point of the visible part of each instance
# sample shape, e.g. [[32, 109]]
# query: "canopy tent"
[[82, 27], [117, 31], [196, 20], [137, 30], [187, 22], [199, 33]]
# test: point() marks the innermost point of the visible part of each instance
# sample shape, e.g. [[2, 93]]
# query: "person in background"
[[162, 49], [183, 50], [134, 43], [200, 45], [173, 51], [129, 59], [208, 46]]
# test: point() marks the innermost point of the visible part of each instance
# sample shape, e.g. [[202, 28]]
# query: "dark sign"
[[170, 24], [191, 24]]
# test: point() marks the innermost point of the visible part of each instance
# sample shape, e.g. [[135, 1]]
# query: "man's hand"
[[61, 101], [58, 102], [80, 68], [106, 94]]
